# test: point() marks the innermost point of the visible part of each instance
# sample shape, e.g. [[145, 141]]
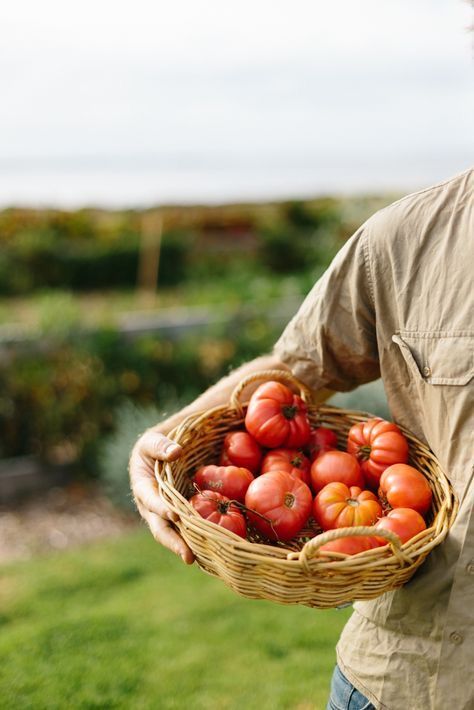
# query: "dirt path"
[[62, 518]]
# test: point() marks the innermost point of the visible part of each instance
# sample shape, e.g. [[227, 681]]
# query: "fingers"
[[145, 490], [166, 536], [152, 446], [156, 445]]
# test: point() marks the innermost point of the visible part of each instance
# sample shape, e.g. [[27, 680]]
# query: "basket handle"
[[279, 375], [312, 546]]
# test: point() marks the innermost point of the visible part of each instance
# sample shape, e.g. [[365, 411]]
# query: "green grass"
[[124, 624]]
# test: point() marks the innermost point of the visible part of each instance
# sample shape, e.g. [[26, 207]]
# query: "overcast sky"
[[130, 102]]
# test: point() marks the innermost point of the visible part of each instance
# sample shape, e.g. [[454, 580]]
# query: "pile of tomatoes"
[[281, 477]]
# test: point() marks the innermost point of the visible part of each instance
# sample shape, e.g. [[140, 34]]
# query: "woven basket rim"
[[284, 558]]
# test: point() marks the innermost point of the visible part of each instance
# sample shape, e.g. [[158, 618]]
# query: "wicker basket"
[[296, 572]]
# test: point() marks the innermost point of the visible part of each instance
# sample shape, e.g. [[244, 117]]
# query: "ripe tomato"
[[283, 500], [321, 440], [351, 545], [402, 486], [220, 510], [241, 449], [338, 506], [290, 460], [335, 466], [277, 417], [377, 444], [405, 522], [229, 481]]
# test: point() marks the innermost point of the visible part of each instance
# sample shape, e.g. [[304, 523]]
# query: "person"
[[396, 302]]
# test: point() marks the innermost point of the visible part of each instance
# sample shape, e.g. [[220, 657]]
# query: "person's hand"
[[153, 445]]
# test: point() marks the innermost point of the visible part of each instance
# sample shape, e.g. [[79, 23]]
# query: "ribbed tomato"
[[230, 481], [284, 502], [338, 506], [321, 439], [277, 417], [220, 510], [402, 486], [335, 466], [377, 444], [290, 460], [405, 522], [241, 449]]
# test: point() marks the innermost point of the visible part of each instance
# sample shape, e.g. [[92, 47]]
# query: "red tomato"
[[337, 506], [283, 500], [220, 510], [405, 522], [350, 545], [277, 417], [402, 486], [321, 440], [377, 444], [335, 466], [290, 460], [241, 449], [229, 481]]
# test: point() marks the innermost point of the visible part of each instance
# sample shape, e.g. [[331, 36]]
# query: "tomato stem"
[[289, 412], [364, 452], [224, 506]]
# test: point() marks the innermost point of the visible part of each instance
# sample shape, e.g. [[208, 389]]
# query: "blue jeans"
[[344, 696]]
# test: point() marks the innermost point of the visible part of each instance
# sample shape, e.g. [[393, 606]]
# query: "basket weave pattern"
[[296, 573]]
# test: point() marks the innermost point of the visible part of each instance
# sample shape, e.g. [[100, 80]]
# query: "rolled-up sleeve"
[[331, 341]]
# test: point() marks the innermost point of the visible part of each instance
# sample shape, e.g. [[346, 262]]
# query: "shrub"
[[58, 397], [114, 452]]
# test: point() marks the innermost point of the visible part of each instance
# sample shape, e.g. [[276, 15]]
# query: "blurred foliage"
[[114, 453], [93, 249], [306, 237], [59, 395], [58, 398]]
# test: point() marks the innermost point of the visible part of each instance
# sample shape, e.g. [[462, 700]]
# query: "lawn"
[[123, 624]]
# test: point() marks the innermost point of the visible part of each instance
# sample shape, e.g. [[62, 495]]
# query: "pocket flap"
[[438, 358]]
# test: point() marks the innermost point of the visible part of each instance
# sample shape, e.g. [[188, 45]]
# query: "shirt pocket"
[[438, 358]]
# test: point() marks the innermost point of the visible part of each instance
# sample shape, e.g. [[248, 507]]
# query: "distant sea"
[[115, 182]]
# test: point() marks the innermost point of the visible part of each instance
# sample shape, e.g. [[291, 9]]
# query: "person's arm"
[[154, 444]]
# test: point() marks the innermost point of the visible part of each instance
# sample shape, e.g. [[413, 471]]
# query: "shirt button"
[[470, 567], [456, 638], [427, 371]]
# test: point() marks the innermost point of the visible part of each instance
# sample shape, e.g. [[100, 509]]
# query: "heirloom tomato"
[[321, 440], [220, 510], [402, 486], [338, 506], [377, 444], [334, 466], [405, 522], [230, 481], [241, 449], [284, 502], [277, 417], [290, 460]]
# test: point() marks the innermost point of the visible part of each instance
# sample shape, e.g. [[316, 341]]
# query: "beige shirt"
[[397, 301]]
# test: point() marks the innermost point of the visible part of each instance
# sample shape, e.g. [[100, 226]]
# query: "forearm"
[[220, 392]]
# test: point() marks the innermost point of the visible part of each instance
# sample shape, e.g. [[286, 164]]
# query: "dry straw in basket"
[[296, 573]]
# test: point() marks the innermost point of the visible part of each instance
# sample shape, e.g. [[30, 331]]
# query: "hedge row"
[[87, 251], [83, 266]]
